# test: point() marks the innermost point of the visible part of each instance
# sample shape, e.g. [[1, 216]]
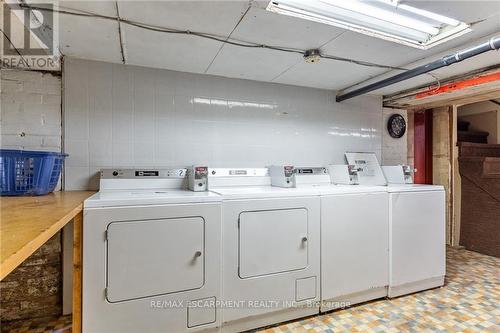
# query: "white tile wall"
[[394, 151], [126, 116], [30, 110]]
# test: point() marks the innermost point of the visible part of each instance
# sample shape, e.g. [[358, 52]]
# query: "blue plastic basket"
[[25, 172]]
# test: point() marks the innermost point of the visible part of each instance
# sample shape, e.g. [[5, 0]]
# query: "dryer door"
[[272, 241], [154, 257]]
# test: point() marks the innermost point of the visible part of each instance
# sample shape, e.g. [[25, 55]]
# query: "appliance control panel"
[[311, 176], [238, 172], [311, 171], [142, 173], [198, 178]]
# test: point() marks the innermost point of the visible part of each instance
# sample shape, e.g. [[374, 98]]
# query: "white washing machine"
[[417, 240], [354, 238], [271, 250], [151, 255], [354, 245]]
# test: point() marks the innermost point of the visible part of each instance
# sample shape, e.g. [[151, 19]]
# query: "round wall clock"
[[396, 125]]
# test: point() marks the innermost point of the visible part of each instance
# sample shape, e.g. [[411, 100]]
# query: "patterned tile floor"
[[469, 302]]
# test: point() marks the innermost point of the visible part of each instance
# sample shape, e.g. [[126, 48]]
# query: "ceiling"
[[99, 39]]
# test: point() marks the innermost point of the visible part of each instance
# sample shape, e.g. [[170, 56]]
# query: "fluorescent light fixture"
[[386, 19]]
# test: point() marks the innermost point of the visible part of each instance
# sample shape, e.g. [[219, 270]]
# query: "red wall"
[[423, 147]]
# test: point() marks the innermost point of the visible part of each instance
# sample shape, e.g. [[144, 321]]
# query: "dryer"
[[271, 249], [151, 254]]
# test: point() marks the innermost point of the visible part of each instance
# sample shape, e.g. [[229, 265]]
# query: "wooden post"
[[77, 272], [457, 184]]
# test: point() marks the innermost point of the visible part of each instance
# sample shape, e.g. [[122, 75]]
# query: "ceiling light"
[[386, 19]]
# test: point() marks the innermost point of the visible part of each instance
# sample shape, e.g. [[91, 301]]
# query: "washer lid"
[[148, 197], [350, 189], [391, 188], [254, 192]]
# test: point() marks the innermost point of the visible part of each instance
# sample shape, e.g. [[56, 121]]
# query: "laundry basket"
[[24, 172]]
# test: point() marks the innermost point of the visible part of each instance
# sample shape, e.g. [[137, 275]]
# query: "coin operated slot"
[[198, 178], [408, 172], [353, 174], [282, 175]]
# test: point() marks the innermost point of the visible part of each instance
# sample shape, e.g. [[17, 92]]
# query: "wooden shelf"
[[26, 223]]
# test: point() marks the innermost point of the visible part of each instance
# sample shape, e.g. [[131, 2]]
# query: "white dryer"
[[151, 255], [271, 249], [417, 259]]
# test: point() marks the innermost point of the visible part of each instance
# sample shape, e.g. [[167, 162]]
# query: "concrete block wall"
[[34, 289], [30, 119], [394, 151], [30, 110]]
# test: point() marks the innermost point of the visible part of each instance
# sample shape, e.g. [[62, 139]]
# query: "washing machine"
[[271, 249], [417, 253], [151, 254], [354, 235]]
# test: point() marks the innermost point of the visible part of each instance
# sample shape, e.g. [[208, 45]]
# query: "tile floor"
[[469, 302]]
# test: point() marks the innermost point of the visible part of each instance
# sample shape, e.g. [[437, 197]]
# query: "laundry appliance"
[[151, 254], [416, 233], [271, 249], [354, 236]]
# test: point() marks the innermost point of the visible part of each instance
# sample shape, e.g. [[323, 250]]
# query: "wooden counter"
[[26, 223]]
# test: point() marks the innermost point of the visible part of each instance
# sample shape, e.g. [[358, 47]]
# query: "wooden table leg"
[[77, 272]]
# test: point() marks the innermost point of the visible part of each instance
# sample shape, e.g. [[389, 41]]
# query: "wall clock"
[[396, 125]]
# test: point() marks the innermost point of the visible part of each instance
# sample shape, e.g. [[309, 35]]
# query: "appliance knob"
[[197, 254], [304, 239], [115, 173]]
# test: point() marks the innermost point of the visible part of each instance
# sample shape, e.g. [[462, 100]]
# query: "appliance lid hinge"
[[106, 292], [106, 235]]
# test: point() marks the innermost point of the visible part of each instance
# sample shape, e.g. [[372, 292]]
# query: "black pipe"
[[492, 44]]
